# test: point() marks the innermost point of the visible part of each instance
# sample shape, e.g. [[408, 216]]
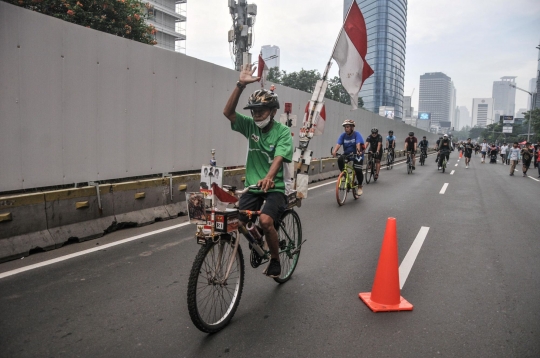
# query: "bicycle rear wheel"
[[388, 161], [341, 188], [212, 301], [369, 172], [290, 238], [444, 165]]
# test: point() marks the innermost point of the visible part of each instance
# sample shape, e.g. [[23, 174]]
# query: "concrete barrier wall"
[[48, 220], [79, 105]]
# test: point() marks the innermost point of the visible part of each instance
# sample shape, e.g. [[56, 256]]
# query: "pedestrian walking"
[[526, 156], [513, 156], [504, 149]]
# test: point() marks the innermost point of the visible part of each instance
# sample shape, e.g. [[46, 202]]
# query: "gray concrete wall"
[[79, 105]]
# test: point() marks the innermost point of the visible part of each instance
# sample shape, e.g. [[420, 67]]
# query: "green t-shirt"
[[263, 148]]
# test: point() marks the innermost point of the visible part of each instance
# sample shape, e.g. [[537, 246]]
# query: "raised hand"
[[246, 75]]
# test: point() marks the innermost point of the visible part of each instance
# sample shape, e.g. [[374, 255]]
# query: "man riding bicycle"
[[353, 146], [391, 143], [375, 148], [444, 149], [423, 144], [411, 142], [270, 146]]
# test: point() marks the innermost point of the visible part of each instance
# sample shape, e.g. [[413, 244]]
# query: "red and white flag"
[[350, 53], [262, 71], [222, 196]]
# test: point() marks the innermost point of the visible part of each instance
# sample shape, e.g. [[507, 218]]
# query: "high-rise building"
[[519, 113], [453, 104], [504, 96], [455, 120], [482, 112], [270, 54], [169, 18], [386, 24], [436, 96], [464, 117], [532, 89], [407, 109]]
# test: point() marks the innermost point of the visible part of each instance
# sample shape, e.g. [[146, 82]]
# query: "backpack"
[[526, 155]]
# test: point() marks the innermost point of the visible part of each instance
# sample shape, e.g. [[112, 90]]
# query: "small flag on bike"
[[319, 116], [262, 71], [350, 53], [222, 195]]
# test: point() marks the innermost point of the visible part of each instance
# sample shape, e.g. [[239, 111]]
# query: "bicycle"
[[409, 163], [390, 158], [423, 156], [370, 169], [443, 164], [345, 182], [216, 280]]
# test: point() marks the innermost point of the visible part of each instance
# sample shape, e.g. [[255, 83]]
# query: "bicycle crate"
[[224, 221]]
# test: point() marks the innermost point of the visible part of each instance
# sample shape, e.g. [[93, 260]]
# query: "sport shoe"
[[466, 167], [413, 168], [359, 190], [439, 168], [273, 269]]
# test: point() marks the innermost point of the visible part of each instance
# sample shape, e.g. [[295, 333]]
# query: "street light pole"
[[530, 109]]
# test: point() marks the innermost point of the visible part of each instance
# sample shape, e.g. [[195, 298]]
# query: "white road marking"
[[443, 188], [456, 164], [408, 260], [84, 252], [528, 176], [452, 172]]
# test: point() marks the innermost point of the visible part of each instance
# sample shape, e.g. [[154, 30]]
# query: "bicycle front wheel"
[[290, 239], [388, 161], [341, 188], [212, 300]]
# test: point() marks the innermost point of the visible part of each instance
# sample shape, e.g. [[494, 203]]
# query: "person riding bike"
[[391, 142], [467, 152], [445, 146], [437, 148], [423, 145], [353, 143], [375, 146], [270, 146], [411, 142]]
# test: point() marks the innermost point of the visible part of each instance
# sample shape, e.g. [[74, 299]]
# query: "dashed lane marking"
[[452, 172], [443, 190], [456, 164], [408, 260]]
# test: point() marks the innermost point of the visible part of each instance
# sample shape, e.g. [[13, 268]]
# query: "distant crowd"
[[512, 155]]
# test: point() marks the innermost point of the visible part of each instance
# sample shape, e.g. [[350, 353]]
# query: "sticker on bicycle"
[[196, 208], [209, 175]]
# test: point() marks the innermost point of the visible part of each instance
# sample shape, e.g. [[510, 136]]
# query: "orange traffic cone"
[[385, 294], [461, 154]]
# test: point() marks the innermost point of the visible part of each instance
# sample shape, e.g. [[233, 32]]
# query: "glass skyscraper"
[[386, 23]]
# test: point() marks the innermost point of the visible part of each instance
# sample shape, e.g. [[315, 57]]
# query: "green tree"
[[534, 117], [124, 18], [306, 81]]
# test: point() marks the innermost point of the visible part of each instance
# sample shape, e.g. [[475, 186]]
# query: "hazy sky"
[[475, 42]]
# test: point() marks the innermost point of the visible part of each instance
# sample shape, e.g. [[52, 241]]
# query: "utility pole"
[[241, 34], [530, 110]]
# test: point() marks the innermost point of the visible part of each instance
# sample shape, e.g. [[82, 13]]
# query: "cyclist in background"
[[391, 143], [411, 142], [423, 145], [353, 143], [270, 146], [375, 147], [467, 152], [437, 148], [445, 146]]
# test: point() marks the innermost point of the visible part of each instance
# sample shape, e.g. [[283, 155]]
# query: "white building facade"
[[482, 112], [504, 96], [169, 19]]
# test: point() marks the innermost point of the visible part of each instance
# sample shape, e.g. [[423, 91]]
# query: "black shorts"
[[467, 155], [412, 151], [377, 156], [275, 205]]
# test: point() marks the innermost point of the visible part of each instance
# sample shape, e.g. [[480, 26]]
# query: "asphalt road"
[[475, 284]]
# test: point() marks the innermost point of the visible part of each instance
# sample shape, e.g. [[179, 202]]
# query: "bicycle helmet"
[[411, 134], [390, 132], [262, 98], [445, 136], [348, 122], [374, 130]]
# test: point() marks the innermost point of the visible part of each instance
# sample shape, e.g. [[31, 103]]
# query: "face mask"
[[263, 124]]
